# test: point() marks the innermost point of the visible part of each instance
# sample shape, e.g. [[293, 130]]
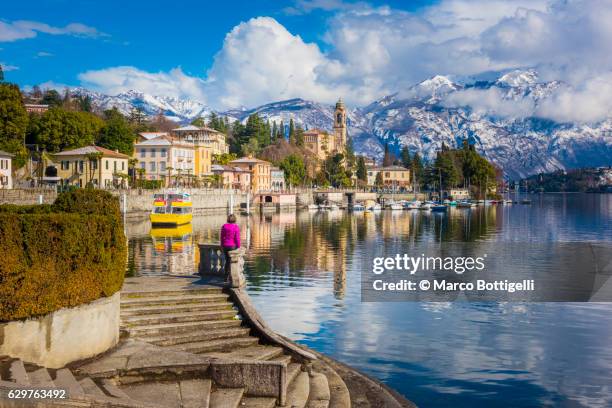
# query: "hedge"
[[60, 255]]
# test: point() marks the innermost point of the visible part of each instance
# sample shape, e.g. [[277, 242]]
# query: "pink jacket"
[[230, 235]]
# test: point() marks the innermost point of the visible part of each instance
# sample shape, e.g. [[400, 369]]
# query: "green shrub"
[[87, 201], [60, 255]]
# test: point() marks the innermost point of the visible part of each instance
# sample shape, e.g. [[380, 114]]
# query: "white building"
[[6, 178]]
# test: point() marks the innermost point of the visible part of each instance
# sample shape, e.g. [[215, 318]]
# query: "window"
[[115, 165], [162, 166], [153, 151], [122, 166], [163, 152], [81, 164], [387, 174], [106, 164], [93, 164], [152, 166], [142, 165], [143, 153]]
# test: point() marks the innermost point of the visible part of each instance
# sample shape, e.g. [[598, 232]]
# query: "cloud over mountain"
[[375, 51]]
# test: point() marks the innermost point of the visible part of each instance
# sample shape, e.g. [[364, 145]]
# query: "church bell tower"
[[340, 126]]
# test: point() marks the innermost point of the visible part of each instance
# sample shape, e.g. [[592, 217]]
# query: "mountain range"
[[422, 118]]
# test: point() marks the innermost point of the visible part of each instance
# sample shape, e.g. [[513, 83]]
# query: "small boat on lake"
[[439, 208], [426, 206], [171, 209], [412, 205], [358, 207], [525, 201], [395, 207], [465, 204]]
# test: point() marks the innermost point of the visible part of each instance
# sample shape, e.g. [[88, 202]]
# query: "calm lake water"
[[303, 271]]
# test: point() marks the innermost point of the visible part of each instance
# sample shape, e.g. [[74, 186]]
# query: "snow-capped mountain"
[[521, 145], [430, 113], [179, 110]]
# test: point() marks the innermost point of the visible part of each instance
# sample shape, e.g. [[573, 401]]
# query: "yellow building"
[[392, 176], [203, 161], [322, 143], [203, 136], [261, 178], [100, 167]]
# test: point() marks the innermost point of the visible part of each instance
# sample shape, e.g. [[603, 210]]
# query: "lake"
[[304, 268]]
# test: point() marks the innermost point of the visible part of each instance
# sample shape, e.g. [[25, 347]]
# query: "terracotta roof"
[[81, 151]]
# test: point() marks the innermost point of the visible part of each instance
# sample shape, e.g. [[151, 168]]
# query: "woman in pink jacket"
[[230, 238]]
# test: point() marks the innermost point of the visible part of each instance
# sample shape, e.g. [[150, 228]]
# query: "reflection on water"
[[303, 272]]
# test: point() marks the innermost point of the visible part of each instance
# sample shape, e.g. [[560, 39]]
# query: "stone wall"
[[140, 202], [27, 197], [64, 336]]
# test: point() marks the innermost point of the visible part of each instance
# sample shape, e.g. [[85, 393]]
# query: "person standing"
[[230, 239]]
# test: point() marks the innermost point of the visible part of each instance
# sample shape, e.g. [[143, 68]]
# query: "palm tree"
[[132, 162], [93, 158]]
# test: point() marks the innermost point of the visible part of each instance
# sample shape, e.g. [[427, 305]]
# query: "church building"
[[321, 142]]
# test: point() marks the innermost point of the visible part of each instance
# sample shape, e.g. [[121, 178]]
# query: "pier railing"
[[213, 263]]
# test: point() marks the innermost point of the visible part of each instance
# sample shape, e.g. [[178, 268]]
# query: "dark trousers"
[[227, 259]]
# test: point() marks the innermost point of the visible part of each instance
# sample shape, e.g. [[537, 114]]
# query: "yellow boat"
[[171, 209]]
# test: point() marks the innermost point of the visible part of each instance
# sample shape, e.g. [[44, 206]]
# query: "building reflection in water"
[[302, 244]]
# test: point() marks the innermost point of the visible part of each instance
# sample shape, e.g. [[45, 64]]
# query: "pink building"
[[233, 177]]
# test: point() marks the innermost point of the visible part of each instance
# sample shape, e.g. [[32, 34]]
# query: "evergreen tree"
[[362, 171], [239, 137], [274, 132], [291, 132], [281, 130], [295, 169], [388, 157], [52, 98], [378, 182], [84, 103], [417, 168], [405, 158], [299, 136], [117, 133], [199, 122]]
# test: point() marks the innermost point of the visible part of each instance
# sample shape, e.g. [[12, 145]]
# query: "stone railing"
[[213, 263]]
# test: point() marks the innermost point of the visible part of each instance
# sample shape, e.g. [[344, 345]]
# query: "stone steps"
[[172, 293], [178, 317], [161, 309], [226, 398], [187, 327], [299, 389], [259, 352], [84, 392], [197, 336], [216, 345], [127, 303]]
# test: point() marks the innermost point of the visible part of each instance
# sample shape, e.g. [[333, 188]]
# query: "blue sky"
[[149, 35], [245, 53]]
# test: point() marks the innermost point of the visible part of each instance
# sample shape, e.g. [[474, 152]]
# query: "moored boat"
[[439, 208], [171, 209]]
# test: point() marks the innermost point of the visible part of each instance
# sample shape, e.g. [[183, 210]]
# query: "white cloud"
[[44, 54], [491, 102], [24, 29], [372, 52], [120, 79], [8, 67]]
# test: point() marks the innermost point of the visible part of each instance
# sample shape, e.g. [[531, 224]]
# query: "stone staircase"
[[197, 334], [206, 322]]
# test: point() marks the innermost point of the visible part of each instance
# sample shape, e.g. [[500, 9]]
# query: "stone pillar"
[[236, 276]]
